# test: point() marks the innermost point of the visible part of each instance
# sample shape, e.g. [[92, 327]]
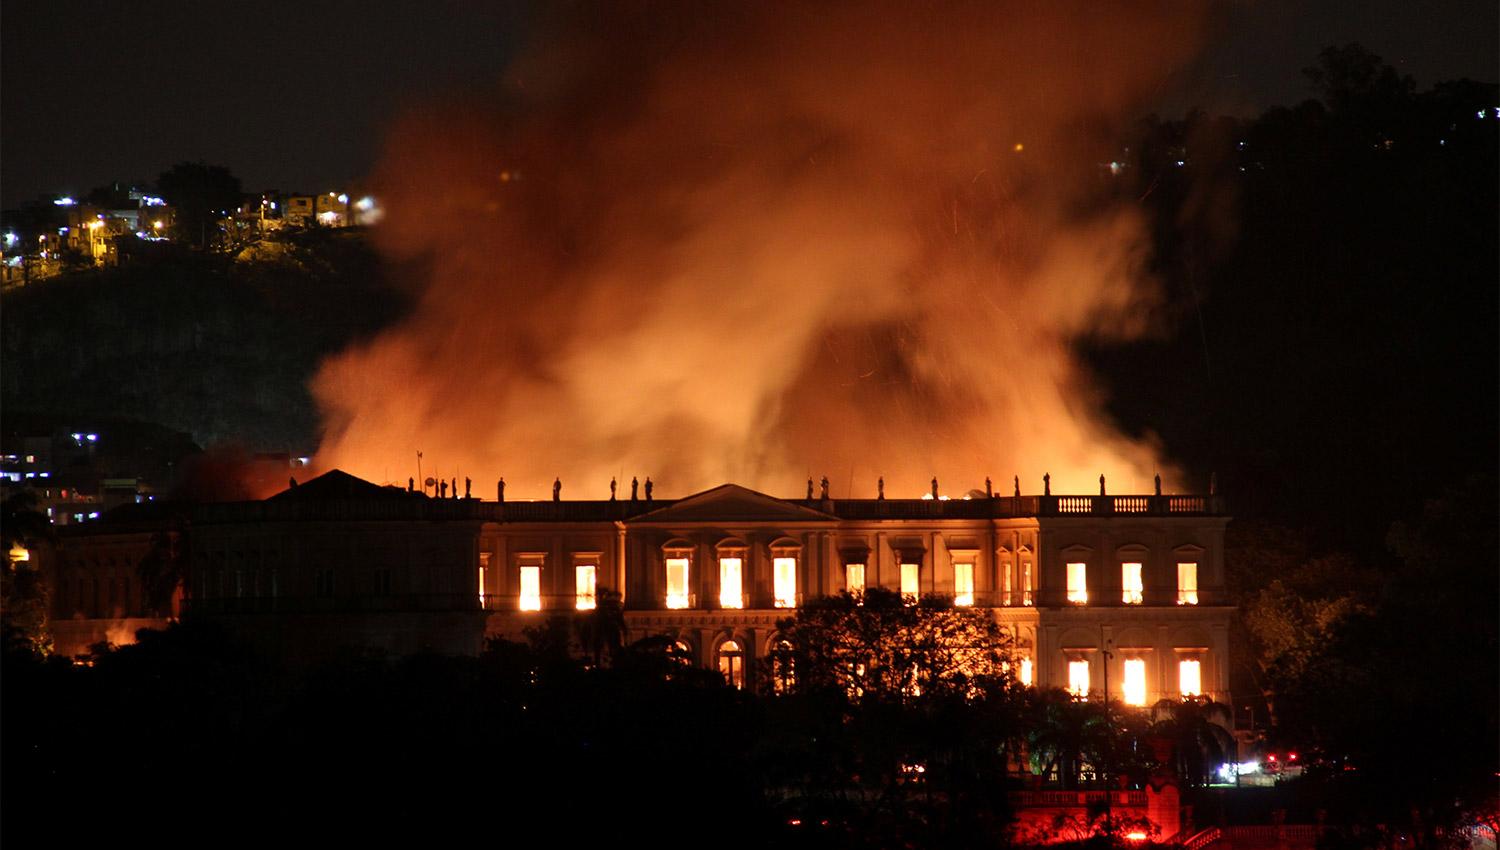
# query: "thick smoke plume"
[[761, 242]]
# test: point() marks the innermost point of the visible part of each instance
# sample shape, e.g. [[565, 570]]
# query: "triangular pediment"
[[731, 503]]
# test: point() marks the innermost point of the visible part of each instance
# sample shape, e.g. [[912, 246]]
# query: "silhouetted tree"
[[199, 194]]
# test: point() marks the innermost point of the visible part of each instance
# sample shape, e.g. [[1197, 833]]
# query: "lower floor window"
[[732, 663]]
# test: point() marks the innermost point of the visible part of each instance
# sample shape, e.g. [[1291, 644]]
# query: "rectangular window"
[[1134, 592], [1026, 585], [785, 582], [1078, 678], [731, 587], [677, 583], [1187, 584], [1189, 677], [1026, 671], [531, 589], [1078, 586], [963, 584], [854, 579], [1135, 681], [584, 576], [910, 582], [1005, 583], [484, 569]]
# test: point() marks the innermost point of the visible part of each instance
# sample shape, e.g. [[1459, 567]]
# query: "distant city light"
[[1483, 113], [10, 239], [93, 438], [364, 203], [343, 199], [64, 202], [152, 201], [1020, 147]]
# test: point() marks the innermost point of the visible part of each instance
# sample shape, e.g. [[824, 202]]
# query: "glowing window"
[[1130, 581], [1026, 585], [1189, 677], [585, 576], [531, 588], [963, 584], [785, 582], [484, 568], [910, 587], [732, 663], [1078, 678], [1135, 681], [1026, 671], [731, 587], [1005, 583], [783, 675], [854, 578], [1187, 584], [677, 583], [1078, 587]]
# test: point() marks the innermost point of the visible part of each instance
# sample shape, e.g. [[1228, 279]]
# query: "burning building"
[[1124, 592]]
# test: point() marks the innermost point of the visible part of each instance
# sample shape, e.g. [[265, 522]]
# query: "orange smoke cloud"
[[763, 242]]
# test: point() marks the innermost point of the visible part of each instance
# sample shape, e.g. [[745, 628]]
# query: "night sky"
[[295, 96]]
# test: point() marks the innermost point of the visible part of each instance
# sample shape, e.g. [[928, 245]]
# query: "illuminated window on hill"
[[531, 589], [1133, 591], [677, 583], [1189, 677], [584, 577], [732, 663], [910, 582], [1135, 681], [854, 578], [1078, 586], [731, 585], [1026, 585], [963, 584], [1187, 584], [1078, 678]]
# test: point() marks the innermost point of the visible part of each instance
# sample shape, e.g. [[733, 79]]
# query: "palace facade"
[[1123, 589]]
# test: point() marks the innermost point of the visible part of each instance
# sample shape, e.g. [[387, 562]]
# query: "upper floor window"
[[1187, 584], [585, 577], [1189, 677], [784, 582], [677, 583], [732, 663], [1134, 689], [1026, 584], [910, 582], [1078, 586], [1005, 583], [963, 584], [731, 582], [1133, 590], [531, 588], [854, 579], [1078, 677]]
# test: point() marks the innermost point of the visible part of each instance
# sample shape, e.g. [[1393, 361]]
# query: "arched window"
[[732, 663], [783, 672]]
